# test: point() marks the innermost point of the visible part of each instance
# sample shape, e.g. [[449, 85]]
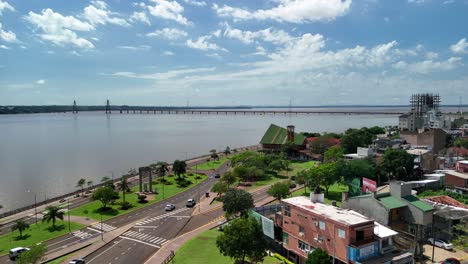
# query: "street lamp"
[[35, 203]]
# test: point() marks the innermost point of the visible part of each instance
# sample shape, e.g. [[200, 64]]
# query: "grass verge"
[[202, 250], [210, 165], [35, 234], [169, 191]]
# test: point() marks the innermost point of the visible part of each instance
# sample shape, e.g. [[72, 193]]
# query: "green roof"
[[279, 135], [391, 202], [418, 203]]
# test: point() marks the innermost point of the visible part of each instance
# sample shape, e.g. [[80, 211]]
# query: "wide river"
[[48, 153]]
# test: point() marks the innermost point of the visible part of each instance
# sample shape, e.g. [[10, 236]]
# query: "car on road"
[[169, 207], [450, 261], [15, 252], [191, 203], [77, 261], [217, 175], [440, 243]]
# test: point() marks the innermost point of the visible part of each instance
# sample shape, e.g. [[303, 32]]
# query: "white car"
[[169, 207], [440, 243], [15, 252]]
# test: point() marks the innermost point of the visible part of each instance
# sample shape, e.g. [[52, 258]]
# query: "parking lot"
[[441, 254]]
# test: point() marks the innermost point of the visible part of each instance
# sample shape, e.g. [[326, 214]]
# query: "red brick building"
[[458, 178]]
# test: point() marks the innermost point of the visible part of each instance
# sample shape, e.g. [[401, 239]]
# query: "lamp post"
[[68, 211], [35, 204]]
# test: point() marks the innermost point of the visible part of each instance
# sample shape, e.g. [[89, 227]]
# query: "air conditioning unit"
[[301, 234]]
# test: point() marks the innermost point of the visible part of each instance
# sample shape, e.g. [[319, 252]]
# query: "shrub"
[[168, 183], [283, 259], [170, 175], [198, 177], [190, 174], [125, 205], [142, 198], [183, 183]]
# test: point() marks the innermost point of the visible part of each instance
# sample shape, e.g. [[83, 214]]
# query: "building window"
[[341, 233], [303, 246], [301, 229], [359, 236], [285, 238], [322, 225], [287, 211]]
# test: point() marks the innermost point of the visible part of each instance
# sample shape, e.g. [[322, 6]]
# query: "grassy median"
[[35, 234], [90, 210], [210, 165]]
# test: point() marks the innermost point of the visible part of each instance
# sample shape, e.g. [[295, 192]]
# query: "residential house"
[[433, 138], [459, 177]]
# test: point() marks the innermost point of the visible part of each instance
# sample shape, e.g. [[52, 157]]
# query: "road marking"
[[99, 231], [152, 219], [148, 226], [104, 251], [180, 216], [139, 241]]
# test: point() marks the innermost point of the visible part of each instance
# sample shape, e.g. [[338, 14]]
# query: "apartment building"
[[346, 235]]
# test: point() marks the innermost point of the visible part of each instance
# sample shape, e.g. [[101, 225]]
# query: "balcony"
[[362, 242]]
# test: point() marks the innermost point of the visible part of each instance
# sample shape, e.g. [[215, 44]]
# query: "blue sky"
[[162, 52]]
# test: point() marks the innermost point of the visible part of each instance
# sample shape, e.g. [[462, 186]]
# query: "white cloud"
[[6, 35], [4, 47], [59, 29], [98, 13], [168, 53], [448, 2], [5, 6], [217, 33], [202, 44], [171, 10], [293, 11], [135, 48], [40, 82], [431, 55], [164, 75], [214, 55], [168, 33], [195, 3], [248, 37], [428, 66], [460, 47], [416, 1], [140, 17]]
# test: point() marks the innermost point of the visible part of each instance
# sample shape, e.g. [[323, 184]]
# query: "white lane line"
[[95, 230], [139, 241], [181, 216], [165, 242], [104, 251], [147, 226]]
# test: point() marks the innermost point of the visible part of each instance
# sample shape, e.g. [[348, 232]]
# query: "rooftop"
[[383, 231], [345, 216], [417, 151], [458, 174], [279, 135], [423, 206], [391, 202]]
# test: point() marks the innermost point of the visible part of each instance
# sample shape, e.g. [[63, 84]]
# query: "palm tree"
[[21, 226], [80, 184], [214, 155], [161, 168], [52, 213], [179, 167], [123, 186]]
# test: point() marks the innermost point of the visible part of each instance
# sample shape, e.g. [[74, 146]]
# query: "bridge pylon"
[[108, 109]]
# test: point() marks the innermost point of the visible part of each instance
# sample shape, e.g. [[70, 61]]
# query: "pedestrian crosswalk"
[[97, 227], [152, 219], [81, 234], [158, 241]]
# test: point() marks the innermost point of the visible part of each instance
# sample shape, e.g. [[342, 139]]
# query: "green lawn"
[[35, 234], [169, 190], [297, 166], [210, 165], [334, 193], [258, 184], [202, 250]]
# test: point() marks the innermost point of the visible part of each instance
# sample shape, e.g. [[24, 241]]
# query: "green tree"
[[461, 143], [288, 149], [229, 178], [237, 201], [319, 256], [81, 183], [227, 151], [325, 175], [249, 173], [246, 157], [241, 239], [354, 138], [220, 188], [20, 225], [279, 190], [460, 232], [214, 154], [32, 256], [277, 165], [179, 167], [333, 154], [320, 145], [52, 214], [105, 195], [398, 164], [303, 178], [376, 130], [350, 169]]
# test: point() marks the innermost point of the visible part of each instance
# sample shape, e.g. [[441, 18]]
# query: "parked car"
[[191, 203], [77, 261], [15, 252], [217, 175], [450, 261], [169, 207], [440, 243]]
